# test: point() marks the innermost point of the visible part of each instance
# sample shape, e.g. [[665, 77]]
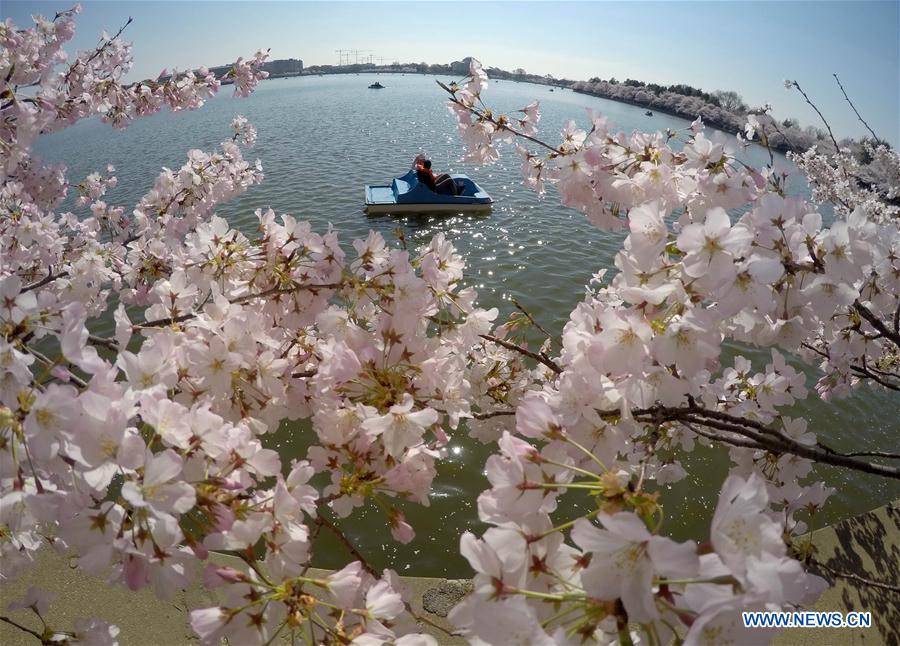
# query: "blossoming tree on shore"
[[140, 452]]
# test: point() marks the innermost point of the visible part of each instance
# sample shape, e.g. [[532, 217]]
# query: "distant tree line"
[[721, 109]]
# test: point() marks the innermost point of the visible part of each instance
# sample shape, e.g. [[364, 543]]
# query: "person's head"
[[427, 164]]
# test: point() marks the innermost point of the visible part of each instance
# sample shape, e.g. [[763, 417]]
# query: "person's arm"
[[425, 177]]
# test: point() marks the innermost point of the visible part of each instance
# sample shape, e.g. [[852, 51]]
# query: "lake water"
[[321, 139]]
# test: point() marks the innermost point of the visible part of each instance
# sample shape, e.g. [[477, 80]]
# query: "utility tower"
[[356, 53], [343, 56]]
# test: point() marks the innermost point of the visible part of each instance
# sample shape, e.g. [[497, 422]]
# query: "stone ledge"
[[144, 619], [867, 546]]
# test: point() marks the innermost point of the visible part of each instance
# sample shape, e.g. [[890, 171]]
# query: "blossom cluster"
[[144, 450], [640, 380]]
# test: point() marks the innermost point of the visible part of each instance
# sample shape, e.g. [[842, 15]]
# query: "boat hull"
[[394, 208], [406, 195]]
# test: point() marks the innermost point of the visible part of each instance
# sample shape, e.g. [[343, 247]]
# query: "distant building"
[[284, 67], [281, 67], [461, 67]]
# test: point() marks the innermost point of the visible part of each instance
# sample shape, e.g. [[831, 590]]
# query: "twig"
[[837, 148], [100, 48], [767, 438], [50, 363], [481, 115], [49, 278], [874, 454], [864, 373], [534, 322], [109, 344], [496, 413], [528, 353], [347, 544], [856, 577], [21, 627], [876, 323], [242, 299], [747, 444], [858, 115]]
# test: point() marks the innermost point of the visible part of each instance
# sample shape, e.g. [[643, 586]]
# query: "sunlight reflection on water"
[[321, 139]]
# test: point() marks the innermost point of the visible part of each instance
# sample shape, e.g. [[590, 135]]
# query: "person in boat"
[[443, 184]]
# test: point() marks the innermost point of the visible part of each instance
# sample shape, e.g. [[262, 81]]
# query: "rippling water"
[[321, 139]]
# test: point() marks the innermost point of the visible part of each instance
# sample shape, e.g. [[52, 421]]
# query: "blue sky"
[[749, 47]]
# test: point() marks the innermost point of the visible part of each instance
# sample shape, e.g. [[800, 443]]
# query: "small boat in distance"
[[406, 194], [648, 113], [551, 89], [376, 86]]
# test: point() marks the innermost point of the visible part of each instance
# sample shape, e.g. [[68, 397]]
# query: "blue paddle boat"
[[407, 195]]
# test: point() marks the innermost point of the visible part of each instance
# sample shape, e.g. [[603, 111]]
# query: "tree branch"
[[49, 278], [866, 374], [876, 323], [855, 577], [242, 299], [496, 413], [765, 438], [534, 322], [528, 353], [874, 454], [481, 115], [837, 148], [347, 544], [858, 115], [21, 627]]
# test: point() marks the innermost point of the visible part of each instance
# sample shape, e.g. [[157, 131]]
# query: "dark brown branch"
[[242, 299], [837, 148], [284, 290], [534, 322], [858, 115], [783, 444], [321, 521], [109, 344], [346, 543], [767, 438], [863, 371], [747, 444], [496, 413], [100, 48], [49, 278], [21, 627], [311, 541], [168, 321], [874, 454], [877, 323], [528, 353]]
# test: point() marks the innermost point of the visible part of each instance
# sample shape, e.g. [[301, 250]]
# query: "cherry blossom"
[[145, 451]]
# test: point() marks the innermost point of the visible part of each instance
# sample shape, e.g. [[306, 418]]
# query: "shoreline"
[[713, 123]]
